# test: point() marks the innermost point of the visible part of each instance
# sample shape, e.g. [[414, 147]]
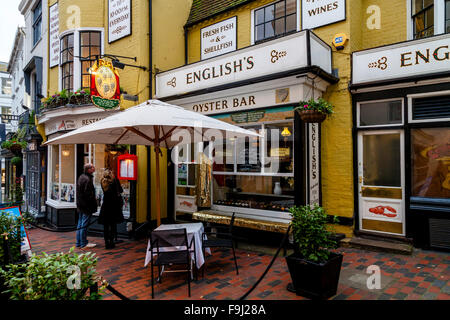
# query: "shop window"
[[62, 173], [90, 43], [423, 18], [6, 86], [263, 175], [37, 22], [430, 148], [276, 19], [381, 160], [67, 62], [380, 113], [105, 157]]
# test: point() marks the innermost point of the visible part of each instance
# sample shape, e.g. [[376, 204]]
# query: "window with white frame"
[[275, 19], [62, 173], [90, 48], [423, 18], [67, 57]]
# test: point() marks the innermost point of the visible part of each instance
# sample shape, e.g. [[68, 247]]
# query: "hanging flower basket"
[[312, 116], [314, 111]]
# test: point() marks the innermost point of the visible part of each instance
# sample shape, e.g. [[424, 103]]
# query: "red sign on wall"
[[127, 167]]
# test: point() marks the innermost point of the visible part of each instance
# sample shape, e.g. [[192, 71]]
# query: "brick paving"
[[424, 275]]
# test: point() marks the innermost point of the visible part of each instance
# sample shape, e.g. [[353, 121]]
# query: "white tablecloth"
[[192, 229]]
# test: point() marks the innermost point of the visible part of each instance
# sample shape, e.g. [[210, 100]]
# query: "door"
[[381, 181]]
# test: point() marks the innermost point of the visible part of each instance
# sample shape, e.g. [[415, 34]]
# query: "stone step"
[[378, 245]]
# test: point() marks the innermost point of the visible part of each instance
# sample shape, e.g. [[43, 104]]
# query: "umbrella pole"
[[158, 199]]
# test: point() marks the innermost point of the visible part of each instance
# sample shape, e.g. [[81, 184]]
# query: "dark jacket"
[[111, 210], [86, 202]]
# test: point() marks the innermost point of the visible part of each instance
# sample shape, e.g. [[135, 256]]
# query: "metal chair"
[[168, 248], [222, 238]]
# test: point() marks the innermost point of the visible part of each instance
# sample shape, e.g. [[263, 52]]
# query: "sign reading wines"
[[105, 90], [316, 13]]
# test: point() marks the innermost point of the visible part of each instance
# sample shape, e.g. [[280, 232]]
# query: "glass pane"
[[279, 9], [54, 172], [381, 160], [248, 152], [427, 3], [291, 7], [279, 148], [85, 52], [419, 23], [257, 192], [430, 149], [259, 16], [447, 26], [259, 32], [84, 38], [429, 17], [417, 6], [85, 65], [269, 12], [269, 29], [378, 113], [95, 51], [447, 9], [95, 38], [291, 23], [86, 82], [68, 173], [279, 26], [70, 40], [223, 156], [192, 173], [70, 54]]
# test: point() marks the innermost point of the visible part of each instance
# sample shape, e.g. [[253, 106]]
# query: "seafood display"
[[391, 212]]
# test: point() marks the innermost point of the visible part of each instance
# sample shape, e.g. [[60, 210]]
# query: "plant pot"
[[312, 116], [315, 280], [15, 148]]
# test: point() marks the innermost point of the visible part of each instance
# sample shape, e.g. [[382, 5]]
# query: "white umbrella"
[[152, 123]]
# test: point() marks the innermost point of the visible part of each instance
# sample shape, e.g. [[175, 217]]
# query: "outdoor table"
[[192, 229]]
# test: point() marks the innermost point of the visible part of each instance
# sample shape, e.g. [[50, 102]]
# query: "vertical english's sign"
[[218, 38], [54, 35], [119, 19], [317, 13]]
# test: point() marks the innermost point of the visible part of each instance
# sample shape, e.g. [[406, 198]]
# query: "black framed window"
[[276, 19], [90, 47], [447, 16], [37, 22], [66, 55], [423, 18]]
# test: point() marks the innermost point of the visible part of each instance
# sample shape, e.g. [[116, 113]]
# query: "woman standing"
[[111, 210]]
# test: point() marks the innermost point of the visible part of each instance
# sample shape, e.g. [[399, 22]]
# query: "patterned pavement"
[[424, 275]]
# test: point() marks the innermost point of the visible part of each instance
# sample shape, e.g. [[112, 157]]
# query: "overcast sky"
[[10, 19]]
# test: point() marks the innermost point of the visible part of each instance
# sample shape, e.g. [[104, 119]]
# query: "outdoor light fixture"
[[285, 132], [117, 64], [65, 153], [113, 152]]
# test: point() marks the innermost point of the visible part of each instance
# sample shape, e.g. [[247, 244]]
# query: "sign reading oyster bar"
[[316, 13], [413, 58], [218, 38]]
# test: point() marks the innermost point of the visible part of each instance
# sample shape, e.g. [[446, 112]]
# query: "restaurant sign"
[[280, 55], [119, 19], [105, 92], [314, 163], [72, 122], [218, 38], [408, 59]]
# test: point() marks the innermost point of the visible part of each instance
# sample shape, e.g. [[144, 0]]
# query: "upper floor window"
[[275, 19], [66, 55], [6, 86], [90, 47], [37, 21], [447, 16]]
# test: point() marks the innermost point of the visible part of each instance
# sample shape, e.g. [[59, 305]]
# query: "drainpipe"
[[150, 81], [185, 45]]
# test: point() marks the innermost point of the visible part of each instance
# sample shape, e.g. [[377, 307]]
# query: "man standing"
[[86, 205]]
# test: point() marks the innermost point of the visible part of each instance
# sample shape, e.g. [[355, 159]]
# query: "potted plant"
[[60, 276], [16, 160], [313, 267], [314, 110], [14, 145]]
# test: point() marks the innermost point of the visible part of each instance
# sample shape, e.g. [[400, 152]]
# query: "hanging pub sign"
[[127, 167], [105, 90]]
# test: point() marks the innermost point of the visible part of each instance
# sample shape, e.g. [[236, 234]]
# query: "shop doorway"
[[381, 183]]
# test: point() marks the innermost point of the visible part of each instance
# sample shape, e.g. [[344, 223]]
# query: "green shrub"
[[10, 228], [52, 277], [309, 229]]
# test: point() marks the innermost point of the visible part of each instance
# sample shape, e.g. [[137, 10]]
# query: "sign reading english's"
[[272, 57], [316, 13], [407, 59], [218, 38]]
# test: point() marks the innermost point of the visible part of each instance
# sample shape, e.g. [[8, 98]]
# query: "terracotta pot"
[[312, 116]]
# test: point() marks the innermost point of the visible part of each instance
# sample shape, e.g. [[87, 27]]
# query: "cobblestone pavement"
[[423, 275]]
